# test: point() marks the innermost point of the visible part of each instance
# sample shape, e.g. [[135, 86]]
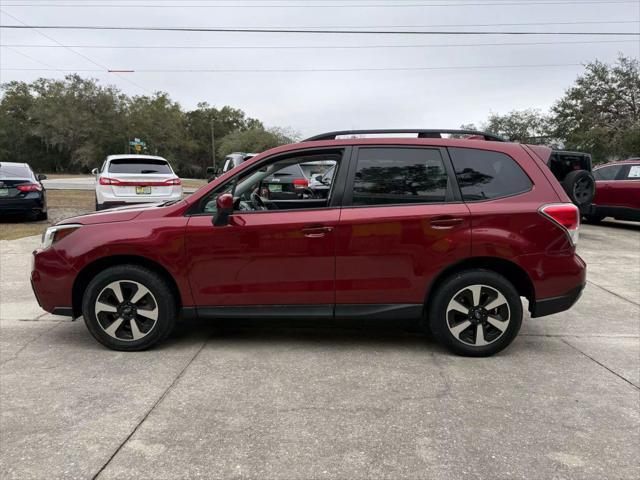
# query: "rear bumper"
[[21, 205], [106, 198], [549, 306]]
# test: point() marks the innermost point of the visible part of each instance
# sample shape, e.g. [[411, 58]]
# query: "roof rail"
[[422, 133]]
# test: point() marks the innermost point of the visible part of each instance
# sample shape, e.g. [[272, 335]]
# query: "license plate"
[[143, 190], [274, 187], [4, 192]]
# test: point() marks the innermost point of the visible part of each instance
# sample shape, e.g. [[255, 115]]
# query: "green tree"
[[77, 118], [255, 139], [200, 123], [525, 126], [600, 113]]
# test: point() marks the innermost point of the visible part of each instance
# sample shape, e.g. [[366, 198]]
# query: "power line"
[[315, 47], [445, 25], [306, 70], [74, 51], [316, 5], [297, 31]]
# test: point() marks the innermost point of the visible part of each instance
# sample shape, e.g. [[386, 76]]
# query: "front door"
[[272, 252]]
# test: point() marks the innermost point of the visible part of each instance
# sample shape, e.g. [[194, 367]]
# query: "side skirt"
[[365, 311]]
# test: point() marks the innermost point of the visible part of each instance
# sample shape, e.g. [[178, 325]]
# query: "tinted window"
[[483, 175], [399, 175], [136, 165], [607, 173]]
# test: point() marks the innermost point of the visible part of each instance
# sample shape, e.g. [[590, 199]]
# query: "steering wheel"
[[257, 201]]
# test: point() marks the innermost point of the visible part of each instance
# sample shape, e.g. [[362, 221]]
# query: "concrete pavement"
[[256, 401]]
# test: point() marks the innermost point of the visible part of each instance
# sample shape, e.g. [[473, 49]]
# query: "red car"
[[451, 232], [617, 191]]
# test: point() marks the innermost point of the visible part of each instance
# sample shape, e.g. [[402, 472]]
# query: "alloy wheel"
[[126, 310], [478, 315]]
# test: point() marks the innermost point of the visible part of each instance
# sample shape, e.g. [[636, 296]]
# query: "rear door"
[[400, 225]]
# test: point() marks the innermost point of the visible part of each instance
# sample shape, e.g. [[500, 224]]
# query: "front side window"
[[388, 175], [139, 166], [483, 175], [280, 185], [607, 173]]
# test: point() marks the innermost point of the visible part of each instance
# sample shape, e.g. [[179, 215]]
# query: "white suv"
[[131, 179]]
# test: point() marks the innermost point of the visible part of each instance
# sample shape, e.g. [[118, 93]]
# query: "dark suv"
[[449, 232]]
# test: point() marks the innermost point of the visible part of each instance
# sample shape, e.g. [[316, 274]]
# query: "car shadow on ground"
[[370, 335], [632, 226]]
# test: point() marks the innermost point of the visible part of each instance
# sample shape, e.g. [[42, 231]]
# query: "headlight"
[[57, 233]]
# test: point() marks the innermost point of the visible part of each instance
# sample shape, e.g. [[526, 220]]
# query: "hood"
[[113, 215]]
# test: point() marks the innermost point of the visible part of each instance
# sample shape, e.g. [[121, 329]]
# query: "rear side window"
[[134, 165], [483, 175], [399, 175]]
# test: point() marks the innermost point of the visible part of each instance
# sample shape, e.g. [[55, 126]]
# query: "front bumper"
[[52, 282]]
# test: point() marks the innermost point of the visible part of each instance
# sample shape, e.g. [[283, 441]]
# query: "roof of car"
[[133, 155], [618, 162], [14, 164]]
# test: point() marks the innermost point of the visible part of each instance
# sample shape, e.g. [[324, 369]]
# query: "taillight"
[[173, 181], [566, 215], [109, 181], [300, 183], [29, 187]]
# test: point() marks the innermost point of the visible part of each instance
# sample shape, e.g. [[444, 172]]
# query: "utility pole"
[[213, 147]]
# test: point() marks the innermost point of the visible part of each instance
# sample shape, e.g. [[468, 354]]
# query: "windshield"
[[136, 165], [15, 171]]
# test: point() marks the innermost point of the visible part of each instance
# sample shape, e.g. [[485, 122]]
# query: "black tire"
[[161, 296], [43, 216], [593, 219], [440, 320], [580, 186]]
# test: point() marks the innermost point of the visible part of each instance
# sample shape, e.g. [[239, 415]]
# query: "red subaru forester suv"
[[448, 231]]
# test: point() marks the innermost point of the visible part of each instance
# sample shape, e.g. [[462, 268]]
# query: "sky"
[[402, 81]]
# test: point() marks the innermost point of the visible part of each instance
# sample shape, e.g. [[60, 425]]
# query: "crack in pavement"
[[146, 415], [15, 355], [601, 364], [613, 293]]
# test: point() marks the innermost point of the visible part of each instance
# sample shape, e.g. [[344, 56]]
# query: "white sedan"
[[130, 179]]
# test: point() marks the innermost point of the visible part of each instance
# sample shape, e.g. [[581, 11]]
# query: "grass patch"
[[61, 203]]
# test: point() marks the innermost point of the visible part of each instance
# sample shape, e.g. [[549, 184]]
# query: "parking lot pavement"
[[220, 401]]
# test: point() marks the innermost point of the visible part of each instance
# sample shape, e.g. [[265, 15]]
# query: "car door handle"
[[446, 222], [317, 231]]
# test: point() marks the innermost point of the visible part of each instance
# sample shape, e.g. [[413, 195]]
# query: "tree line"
[[70, 125], [598, 114]]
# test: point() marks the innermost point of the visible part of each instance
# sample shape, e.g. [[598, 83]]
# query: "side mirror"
[[318, 178], [211, 171], [42, 176], [224, 209], [94, 171]]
